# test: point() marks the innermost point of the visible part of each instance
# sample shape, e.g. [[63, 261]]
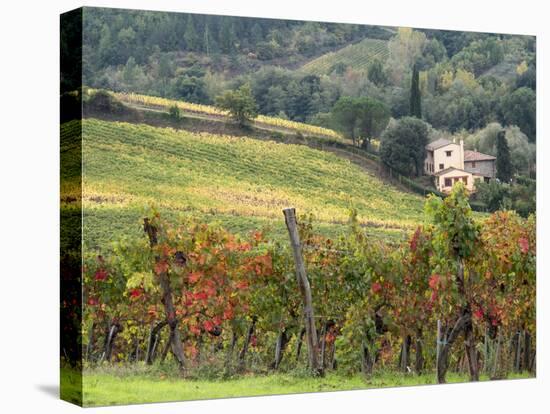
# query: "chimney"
[[462, 152]]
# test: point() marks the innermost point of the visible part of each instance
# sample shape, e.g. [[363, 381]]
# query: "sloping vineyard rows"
[[260, 120], [238, 305], [357, 56], [123, 162]]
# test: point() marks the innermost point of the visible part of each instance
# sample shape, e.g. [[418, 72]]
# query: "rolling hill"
[[244, 183]]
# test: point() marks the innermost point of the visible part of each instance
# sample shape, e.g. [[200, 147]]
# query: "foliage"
[[298, 95], [345, 114], [493, 194], [364, 117], [405, 48], [376, 73], [372, 119], [240, 104], [518, 196], [503, 163], [174, 113], [415, 99], [104, 102], [519, 108], [455, 231], [480, 55], [403, 145], [522, 152]]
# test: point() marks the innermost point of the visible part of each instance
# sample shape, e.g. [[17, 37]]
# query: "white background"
[[29, 160]]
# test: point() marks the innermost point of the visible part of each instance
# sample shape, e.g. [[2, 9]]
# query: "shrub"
[[174, 113]]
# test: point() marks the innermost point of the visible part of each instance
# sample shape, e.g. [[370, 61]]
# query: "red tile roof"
[[477, 156]]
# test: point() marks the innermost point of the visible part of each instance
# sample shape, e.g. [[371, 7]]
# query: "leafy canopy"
[[239, 103]]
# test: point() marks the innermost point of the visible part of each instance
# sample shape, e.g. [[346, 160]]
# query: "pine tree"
[[190, 35], [415, 104], [504, 165]]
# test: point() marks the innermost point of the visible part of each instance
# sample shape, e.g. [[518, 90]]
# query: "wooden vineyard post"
[[486, 353], [167, 300], [305, 290], [517, 365], [438, 346], [494, 374]]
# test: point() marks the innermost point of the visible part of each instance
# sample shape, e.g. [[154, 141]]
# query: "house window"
[[465, 180], [448, 182], [448, 153], [441, 167], [473, 164]]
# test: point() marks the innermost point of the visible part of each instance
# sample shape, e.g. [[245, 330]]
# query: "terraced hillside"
[[356, 56], [242, 182]]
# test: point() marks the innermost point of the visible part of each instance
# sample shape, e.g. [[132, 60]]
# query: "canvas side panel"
[[71, 206]]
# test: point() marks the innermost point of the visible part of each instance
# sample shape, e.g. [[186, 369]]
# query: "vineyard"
[[163, 103], [356, 56], [195, 301], [241, 182]]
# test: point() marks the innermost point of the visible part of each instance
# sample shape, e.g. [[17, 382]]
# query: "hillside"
[[243, 183], [355, 56], [210, 112]]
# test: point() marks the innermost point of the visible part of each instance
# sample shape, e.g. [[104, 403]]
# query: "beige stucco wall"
[[454, 175], [455, 160], [428, 162]]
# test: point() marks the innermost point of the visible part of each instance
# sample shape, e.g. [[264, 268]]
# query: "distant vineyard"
[[212, 110], [356, 56]]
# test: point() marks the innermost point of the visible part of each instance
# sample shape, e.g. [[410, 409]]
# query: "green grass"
[[102, 388], [244, 183], [356, 56], [71, 385]]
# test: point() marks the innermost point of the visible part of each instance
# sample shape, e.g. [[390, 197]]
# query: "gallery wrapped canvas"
[[252, 206]]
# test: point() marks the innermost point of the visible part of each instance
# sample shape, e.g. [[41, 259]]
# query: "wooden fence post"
[[305, 289], [438, 346], [517, 364]]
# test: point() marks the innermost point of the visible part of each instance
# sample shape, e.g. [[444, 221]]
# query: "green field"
[[243, 183], [355, 56], [107, 388]]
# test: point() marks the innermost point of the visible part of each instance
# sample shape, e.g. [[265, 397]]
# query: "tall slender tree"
[[504, 165], [415, 103]]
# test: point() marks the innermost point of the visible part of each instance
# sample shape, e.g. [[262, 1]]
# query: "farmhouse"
[[449, 163]]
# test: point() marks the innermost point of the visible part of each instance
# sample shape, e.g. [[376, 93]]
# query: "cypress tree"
[[504, 165], [415, 103]]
